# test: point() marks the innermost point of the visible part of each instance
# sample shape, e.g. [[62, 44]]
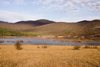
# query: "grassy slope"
[[76, 28], [52, 56], [17, 26], [16, 32]]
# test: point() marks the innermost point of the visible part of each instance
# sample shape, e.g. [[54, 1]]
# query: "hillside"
[[35, 23], [25, 24], [61, 27], [84, 28], [3, 22]]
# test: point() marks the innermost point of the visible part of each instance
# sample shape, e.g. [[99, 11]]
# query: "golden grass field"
[[52, 56]]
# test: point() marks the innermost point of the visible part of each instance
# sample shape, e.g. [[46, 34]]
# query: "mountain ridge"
[[37, 22]]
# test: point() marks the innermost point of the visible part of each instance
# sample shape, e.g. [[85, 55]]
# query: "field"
[[48, 56]]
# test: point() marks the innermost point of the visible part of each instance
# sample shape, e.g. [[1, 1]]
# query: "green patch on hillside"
[[11, 32], [67, 32]]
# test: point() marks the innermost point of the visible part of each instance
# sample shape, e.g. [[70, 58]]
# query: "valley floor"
[[48, 56]]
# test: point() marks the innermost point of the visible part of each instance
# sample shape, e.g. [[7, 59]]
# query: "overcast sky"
[[56, 10]]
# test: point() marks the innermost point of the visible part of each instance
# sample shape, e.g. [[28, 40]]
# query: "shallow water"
[[45, 42]]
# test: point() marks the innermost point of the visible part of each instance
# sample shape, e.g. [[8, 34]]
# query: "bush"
[[29, 41], [68, 32], [1, 41], [87, 46], [38, 47], [91, 47], [21, 41], [18, 45], [77, 47], [44, 46], [94, 47]]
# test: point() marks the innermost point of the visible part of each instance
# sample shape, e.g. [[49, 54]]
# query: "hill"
[[25, 24], [3, 22], [86, 28], [36, 23]]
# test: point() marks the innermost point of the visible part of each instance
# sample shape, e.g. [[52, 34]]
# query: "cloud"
[[94, 6], [69, 19], [82, 1], [63, 19], [20, 2], [13, 16], [5, 2], [67, 5], [48, 2]]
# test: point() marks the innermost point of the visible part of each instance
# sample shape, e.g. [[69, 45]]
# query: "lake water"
[[12, 41]]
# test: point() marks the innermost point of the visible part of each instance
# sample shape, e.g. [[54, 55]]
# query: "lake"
[[12, 41]]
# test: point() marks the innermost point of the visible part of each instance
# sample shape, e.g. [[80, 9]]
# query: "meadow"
[[16, 32], [49, 56]]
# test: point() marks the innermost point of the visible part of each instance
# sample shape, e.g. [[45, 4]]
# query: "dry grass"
[[54, 56]]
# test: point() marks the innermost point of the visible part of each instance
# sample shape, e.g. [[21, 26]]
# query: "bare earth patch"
[[51, 56]]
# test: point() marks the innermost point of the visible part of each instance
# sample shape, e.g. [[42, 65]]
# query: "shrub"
[[29, 41], [68, 32], [1, 41], [77, 47], [21, 41], [44, 46], [87, 46], [91, 47], [18, 45], [40, 33], [94, 47], [38, 47], [87, 31]]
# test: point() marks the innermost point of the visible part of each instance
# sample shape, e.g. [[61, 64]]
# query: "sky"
[[55, 10]]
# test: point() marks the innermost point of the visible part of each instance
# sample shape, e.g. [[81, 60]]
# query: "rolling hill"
[[3, 22], [83, 28], [25, 24], [36, 23]]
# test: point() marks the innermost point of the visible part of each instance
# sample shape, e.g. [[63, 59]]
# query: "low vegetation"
[[87, 46], [94, 47], [21, 41], [38, 47], [14, 32], [67, 32], [18, 45], [44, 46], [1, 41], [29, 41], [90, 47], [77, 47]]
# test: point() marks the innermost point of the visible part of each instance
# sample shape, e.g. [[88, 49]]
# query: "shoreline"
[[51, 37]]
